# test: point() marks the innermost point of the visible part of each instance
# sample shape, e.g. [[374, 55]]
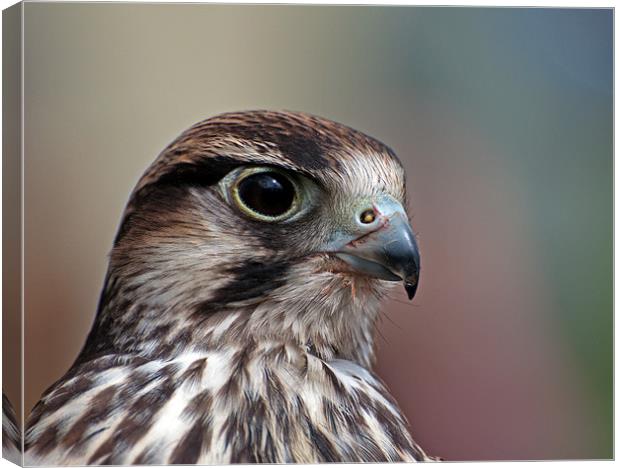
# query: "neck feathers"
[[330, 315]]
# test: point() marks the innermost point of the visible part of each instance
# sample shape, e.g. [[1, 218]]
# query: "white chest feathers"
[[271, 403]]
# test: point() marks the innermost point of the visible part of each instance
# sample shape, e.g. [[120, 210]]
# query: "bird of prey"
[[237, 316]]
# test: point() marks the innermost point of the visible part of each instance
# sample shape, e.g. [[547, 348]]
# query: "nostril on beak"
[[368, 216]]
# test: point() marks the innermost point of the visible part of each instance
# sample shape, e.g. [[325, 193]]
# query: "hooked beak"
[[388, 250]]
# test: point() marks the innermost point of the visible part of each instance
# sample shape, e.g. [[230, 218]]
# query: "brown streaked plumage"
[[11, 433], [236, 320]]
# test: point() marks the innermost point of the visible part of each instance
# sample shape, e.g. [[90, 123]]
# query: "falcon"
[[236, 321]]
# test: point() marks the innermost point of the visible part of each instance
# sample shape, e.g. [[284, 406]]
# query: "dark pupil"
[[267, 193]]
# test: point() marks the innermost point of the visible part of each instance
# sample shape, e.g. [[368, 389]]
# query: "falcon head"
[[259, 225]]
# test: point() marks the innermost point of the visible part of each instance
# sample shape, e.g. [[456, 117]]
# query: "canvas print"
[[306, 234]]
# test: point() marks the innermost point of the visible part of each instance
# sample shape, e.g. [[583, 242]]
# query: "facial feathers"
[[237, 316]]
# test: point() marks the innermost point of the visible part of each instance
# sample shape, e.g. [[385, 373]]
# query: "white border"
[[547, 4]]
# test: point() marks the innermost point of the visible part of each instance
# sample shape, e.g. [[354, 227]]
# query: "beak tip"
[[411, 288]]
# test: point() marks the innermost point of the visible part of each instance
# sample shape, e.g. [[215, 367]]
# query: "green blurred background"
[[502, 117]]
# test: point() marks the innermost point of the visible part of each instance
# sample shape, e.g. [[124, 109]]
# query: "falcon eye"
[[267, 195]]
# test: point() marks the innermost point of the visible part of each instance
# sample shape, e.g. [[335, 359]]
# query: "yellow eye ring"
[[265, 194]]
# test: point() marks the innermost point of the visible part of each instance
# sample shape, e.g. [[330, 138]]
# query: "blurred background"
[[502, 117]]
